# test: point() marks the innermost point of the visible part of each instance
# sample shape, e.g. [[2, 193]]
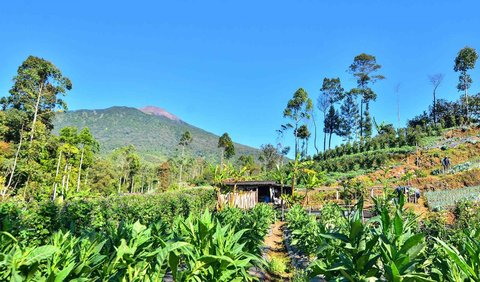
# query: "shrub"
[[36, 221]]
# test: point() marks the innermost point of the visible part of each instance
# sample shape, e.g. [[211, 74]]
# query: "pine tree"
[[348, 118]]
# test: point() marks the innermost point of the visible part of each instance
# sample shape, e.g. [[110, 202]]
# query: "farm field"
[[439, 200], [219, 141], [189, 245]]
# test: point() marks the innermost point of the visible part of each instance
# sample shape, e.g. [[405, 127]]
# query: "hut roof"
[[254, 183]]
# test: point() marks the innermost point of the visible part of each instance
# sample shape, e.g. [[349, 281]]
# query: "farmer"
[[417, 195], [445, 164]]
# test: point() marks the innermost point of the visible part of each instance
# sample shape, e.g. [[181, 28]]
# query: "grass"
[[278, 265], [430, 141]]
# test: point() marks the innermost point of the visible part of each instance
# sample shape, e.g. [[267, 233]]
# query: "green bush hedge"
[[37, 220]]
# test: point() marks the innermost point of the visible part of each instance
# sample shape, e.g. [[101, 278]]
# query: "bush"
[[36, 221]]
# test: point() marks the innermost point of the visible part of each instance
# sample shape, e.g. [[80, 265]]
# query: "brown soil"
[[420, 209], [276, 249]]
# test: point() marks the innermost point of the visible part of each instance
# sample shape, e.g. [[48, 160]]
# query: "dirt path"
[[275, 250]]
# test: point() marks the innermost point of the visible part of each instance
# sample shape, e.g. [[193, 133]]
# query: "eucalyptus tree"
[[67, 151], [465, 61], [227, 147], [435, 80], [89, 147], [297, 110], [185, 140], [303, 134], [363, 68], [331, 93], [13, 124], [133, 161], [36, 91]]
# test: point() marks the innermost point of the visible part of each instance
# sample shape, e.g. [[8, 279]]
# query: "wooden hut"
[[249, 193]]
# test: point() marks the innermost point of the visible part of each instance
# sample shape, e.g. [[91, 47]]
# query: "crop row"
[[199, 248], [442, 199], [389, 247]]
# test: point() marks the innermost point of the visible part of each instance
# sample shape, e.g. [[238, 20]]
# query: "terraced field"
[[439, 200]]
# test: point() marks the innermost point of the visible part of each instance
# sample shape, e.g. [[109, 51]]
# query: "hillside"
[[460, 145], [155, 133]]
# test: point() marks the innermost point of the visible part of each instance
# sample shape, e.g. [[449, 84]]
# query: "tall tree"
[[303, 134], [331, 93], [185, 140], [348, 118], [227, 147], [331, 124], [363, 68], [297, 110], [89, 146], [465, 61], [435, 80], [270, 157], [36, 88]]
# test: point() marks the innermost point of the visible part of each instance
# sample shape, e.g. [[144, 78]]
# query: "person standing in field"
[[445, 164]]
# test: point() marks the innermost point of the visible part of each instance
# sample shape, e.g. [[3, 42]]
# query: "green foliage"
[[297, 110], [199, 249], [363, 160], [37, 221], [386, 246], [226, 143], [277, 266], [155, 137], [304, 229], [256, 221], [36, 88], [442, 199]]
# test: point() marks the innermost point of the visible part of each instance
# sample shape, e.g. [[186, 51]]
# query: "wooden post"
[[338, 195]]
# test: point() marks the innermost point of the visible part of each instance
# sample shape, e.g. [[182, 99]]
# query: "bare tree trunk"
[[80, 169], [361, 122], [295, 133], [68, 179], [330, 138], [435, 106], [55, 184], [37, 105], [315, 134], [17, 153], [324, 135], [64, 178], [467, 120], [181, 166]]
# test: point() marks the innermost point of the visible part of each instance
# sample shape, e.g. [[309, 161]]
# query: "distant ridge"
[[156, 111], [152, 130]]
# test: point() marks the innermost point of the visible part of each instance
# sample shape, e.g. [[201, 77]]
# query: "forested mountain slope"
[[155, 136]]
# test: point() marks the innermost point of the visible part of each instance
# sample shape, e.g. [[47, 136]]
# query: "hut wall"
[[242, 199]]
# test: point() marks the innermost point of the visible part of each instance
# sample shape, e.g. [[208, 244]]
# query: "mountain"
[[153, 131], [152, 110]]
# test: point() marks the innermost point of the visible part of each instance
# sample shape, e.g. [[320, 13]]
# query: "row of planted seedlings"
[[213, 246], [391, 246]]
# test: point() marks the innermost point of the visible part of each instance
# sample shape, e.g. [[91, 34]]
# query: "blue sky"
[[231, 66]]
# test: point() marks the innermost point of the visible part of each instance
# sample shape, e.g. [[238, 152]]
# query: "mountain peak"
[[156, 111]]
